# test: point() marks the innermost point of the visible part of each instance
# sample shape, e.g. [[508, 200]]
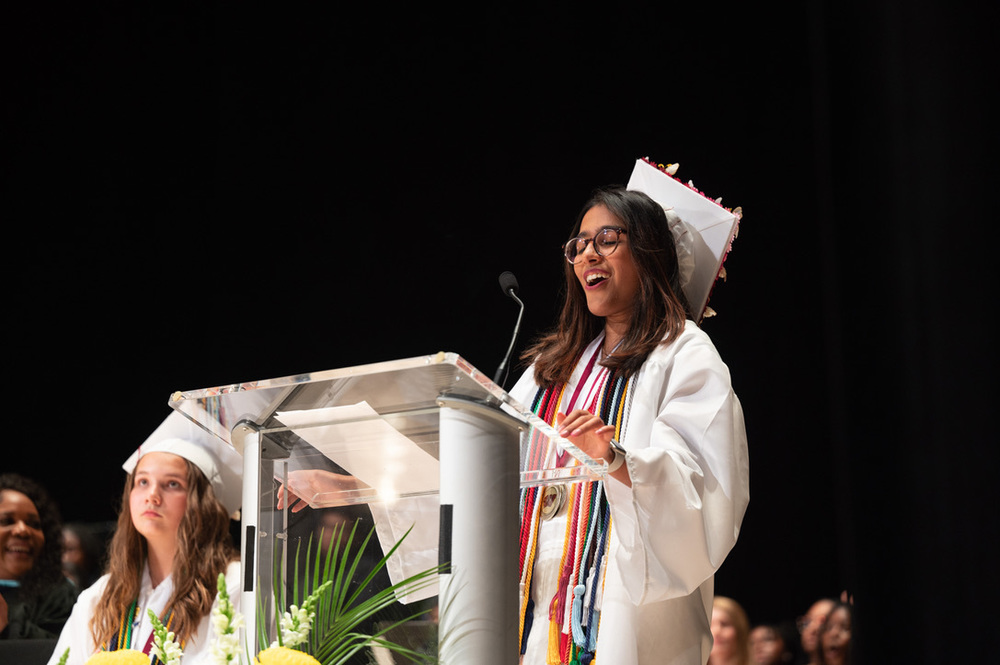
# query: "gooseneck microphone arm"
[[508, 284]]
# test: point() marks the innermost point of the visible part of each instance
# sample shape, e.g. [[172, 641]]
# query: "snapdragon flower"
[[164, 647], [293, 629], [225, 623]]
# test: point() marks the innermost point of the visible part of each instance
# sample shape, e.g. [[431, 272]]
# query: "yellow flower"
[[120, 657], [284, 656]]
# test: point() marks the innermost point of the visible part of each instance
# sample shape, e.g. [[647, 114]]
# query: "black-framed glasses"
[[605, 243]]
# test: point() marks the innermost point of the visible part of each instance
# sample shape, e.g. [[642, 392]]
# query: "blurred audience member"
[[35, 597], [83, 554], [774, 644], [835, 636], [730, 633], [809, 626]]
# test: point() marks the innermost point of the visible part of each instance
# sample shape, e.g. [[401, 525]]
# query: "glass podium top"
[[376, 426]]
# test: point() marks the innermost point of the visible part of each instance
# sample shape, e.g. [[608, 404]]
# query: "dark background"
[[216, 193]]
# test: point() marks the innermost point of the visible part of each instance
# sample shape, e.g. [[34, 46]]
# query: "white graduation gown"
[[77, 637], [674, 527]]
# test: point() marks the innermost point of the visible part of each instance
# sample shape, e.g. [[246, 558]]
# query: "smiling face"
[[21, 535], [158, 497], [610, 283]]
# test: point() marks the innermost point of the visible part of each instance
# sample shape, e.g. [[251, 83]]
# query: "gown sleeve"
[[687, 459]]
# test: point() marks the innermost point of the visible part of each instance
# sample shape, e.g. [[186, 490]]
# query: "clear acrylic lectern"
[[429, 443]]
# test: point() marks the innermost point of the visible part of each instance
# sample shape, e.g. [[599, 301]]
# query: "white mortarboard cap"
[[218, 460], [707, 232]]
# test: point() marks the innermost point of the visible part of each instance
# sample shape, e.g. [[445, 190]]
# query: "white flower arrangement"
[[226, 623], [293, 629], [164, 647]]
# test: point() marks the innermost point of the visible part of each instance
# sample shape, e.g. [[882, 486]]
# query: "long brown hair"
[[204, 549], [660, 306]]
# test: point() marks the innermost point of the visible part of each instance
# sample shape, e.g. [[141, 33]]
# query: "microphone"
[[508, 284]]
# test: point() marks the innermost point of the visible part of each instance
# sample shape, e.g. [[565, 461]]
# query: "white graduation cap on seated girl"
[[218, 460], [703, 230]]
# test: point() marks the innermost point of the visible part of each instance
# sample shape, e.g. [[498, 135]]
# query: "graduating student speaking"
[[622, 570]]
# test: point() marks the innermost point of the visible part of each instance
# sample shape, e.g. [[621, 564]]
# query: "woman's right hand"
[[587, 432]]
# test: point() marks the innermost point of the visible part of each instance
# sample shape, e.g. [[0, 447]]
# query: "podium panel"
[[427, 444]]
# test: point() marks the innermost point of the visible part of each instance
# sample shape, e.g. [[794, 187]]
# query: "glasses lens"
[[574, 248], [606, 242]]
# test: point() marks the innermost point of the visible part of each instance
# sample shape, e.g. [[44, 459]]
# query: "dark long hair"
[[204, 549], [849, 655], [660, 307], [47, 569]]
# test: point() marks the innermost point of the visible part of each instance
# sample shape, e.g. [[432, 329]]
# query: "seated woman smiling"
[[35, 597]]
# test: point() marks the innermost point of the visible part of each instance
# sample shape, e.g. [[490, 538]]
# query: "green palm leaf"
[[337, 632]]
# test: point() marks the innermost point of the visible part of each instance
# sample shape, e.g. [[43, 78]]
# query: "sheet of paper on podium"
[[368, 448]]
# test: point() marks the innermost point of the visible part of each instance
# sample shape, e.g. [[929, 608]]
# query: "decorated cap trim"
[[712, 228]]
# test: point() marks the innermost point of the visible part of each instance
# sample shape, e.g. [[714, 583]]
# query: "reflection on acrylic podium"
[[425, 447]]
